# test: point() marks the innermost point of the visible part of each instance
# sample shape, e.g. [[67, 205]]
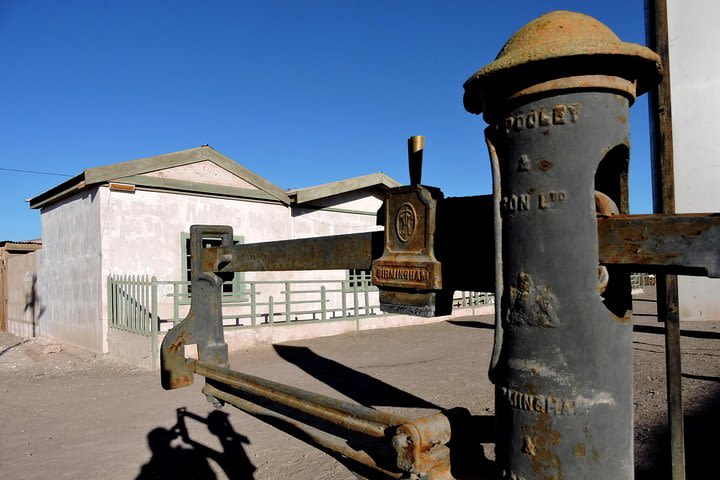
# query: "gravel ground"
[[66, 413]]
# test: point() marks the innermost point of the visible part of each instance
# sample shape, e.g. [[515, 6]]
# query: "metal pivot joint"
[[557, 100], [408, 273]]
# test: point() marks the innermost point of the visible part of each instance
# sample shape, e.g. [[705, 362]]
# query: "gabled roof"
[[134, 170], [376, 180]]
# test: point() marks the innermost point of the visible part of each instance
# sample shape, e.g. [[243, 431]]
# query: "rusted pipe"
[[348, 415], [316, 435]]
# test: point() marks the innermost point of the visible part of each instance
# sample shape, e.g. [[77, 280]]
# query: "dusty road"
[[69, 414]]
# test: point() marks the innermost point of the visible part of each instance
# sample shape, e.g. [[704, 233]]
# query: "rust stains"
[[180, 381], [539, 443], [179, 342], [580, 450], [675, 243], [562, 50]]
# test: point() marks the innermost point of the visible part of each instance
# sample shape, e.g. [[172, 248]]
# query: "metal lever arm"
[[672, 244], [685, 244]]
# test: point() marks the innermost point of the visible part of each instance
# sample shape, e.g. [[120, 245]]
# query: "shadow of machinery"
[[176, 455], [701, 427]]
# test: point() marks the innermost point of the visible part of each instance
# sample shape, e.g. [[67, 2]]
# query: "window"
[[359, 278], [232, 291]]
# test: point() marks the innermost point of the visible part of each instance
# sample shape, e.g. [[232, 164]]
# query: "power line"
[[35, 172]]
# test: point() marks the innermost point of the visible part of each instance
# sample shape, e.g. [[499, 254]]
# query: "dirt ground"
[[66, 413]]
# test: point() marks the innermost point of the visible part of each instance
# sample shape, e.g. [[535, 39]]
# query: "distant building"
[[134, 218], [21, 310]]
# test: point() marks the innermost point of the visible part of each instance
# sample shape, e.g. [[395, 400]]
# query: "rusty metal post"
[[557, 101], [664, 202]]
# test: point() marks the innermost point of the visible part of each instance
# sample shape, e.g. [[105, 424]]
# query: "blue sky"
[[302, 92]]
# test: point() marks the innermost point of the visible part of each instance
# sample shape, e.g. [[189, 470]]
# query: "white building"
[[133, 218], [695, 97]]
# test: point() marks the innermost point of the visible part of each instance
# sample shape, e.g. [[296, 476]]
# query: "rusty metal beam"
[[347, 415], [686, 244], [318, 436], [419, 444], [467, 261], [647, 243], [339, 252]]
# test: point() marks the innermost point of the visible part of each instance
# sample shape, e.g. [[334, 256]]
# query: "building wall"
[[142, 236], [69, 271], [101, 232], [311, 222], [695, 103], [25, 309], [142, 232], [207, 171]]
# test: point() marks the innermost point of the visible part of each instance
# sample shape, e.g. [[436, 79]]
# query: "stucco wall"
[[141, 234], [695, 103], [25, 309], [69, 271], [307, 222], [142, 231], [101, 232], [207, 171]]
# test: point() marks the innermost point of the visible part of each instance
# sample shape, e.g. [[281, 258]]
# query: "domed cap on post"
[[562, 51]]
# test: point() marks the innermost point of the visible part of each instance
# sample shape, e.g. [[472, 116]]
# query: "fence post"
[[147, 302], [154, 322], [176, 303], [366, 285], [271, 310], [121, 303], [131, 307], [356, 300], [343, 292], [118, 301], [323, 311], [253, 306], [109, 299], [287, 302], [134, 303], [125, 306], [140, 318]]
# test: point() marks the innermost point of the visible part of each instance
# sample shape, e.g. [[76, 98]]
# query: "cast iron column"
[[557, 103]]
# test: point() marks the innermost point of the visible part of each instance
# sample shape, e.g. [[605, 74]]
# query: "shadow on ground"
[[176, 455], [701, 427]]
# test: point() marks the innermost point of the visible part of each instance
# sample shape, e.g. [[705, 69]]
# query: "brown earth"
[[66, 413]]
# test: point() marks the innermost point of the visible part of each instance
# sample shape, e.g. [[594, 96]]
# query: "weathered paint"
[[69, 271], [99, 232], [210, 173], [25, 309], [560, 88]]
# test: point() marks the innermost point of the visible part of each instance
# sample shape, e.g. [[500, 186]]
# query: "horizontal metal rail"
[[340, 252], [315, 434], [419, 445], [682, 244], [646, 243], [348, 415]]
